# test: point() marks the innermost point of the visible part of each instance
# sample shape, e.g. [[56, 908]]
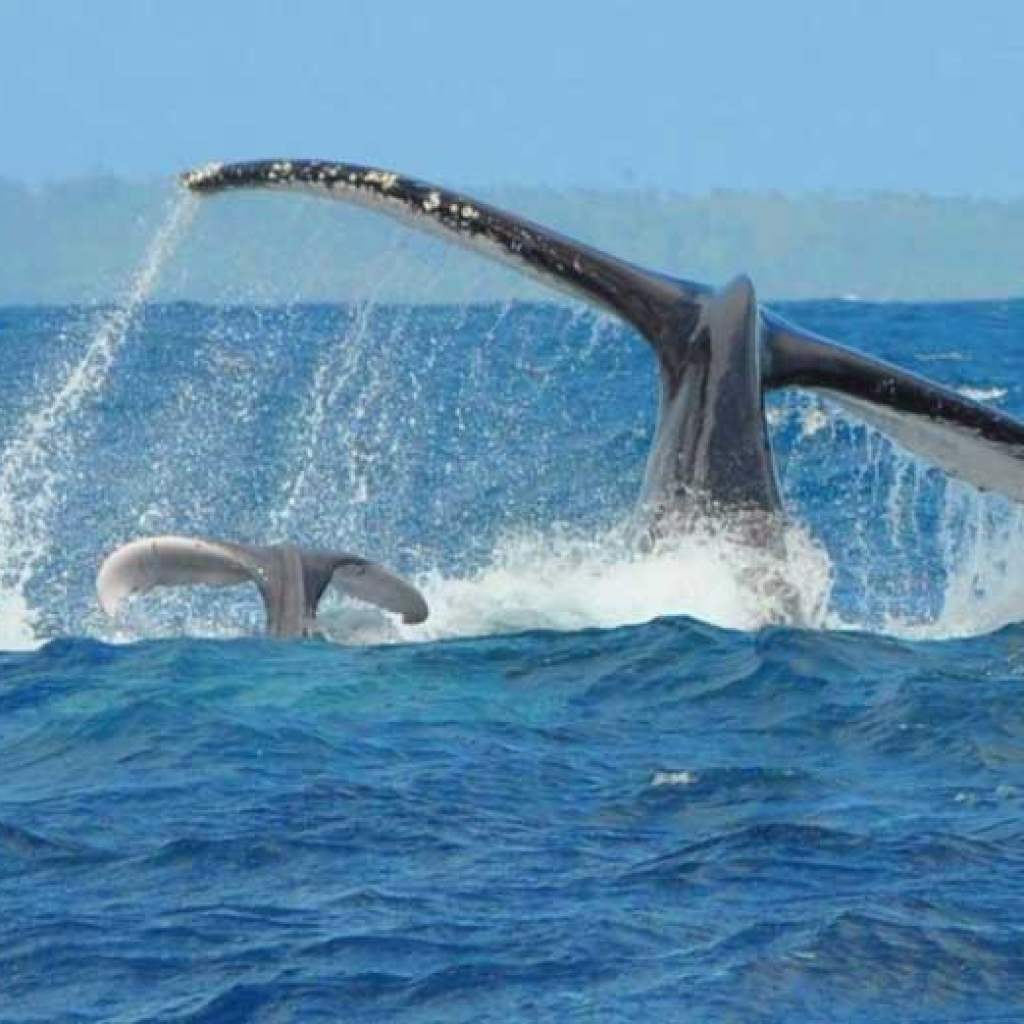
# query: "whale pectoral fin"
[[647, 300], [364, 580], [141, 565], [967, 440]]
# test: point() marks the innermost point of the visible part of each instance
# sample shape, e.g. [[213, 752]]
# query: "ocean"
[[598, 784]]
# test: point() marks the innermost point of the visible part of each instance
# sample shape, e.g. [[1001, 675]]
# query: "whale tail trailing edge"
[[291, 580], [973, 442], [970, 441]]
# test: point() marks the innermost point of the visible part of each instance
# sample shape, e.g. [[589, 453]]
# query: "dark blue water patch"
[[666, 819]]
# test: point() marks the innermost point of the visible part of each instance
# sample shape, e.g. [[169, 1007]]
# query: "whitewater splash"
[[561, 581], [557, 580], [41, 453]]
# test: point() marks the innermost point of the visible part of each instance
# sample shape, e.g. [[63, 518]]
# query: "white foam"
[[675, 778], [559, 581], [16, 632], [564, 582]]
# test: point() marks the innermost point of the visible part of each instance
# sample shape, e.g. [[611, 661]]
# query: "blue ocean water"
[[595, 785]]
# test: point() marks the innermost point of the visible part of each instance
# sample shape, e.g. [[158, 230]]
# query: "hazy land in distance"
[[79, 241]]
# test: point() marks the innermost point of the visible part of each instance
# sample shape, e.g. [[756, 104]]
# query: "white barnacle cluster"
[[202, 175], [432, 202], [325, 175], [280, 170], [470, 212], [385, 179], [457, 218]]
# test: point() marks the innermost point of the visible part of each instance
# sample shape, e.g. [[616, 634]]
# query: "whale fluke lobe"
[[291, 580], [639, 296], [362, 579], [718, 352], [966, 439], [138, 567]]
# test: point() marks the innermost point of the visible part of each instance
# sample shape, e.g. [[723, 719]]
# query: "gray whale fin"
[[291, 580], [360, 578], [973, 442], [716, 361]]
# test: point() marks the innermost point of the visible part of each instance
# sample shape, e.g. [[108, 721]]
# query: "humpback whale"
[[718, 352], [291, 579]]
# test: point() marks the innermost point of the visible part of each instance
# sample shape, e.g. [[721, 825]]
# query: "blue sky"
[[833, 94]]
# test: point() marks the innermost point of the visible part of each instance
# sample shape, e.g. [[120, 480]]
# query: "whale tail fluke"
[[142, 565], [291, 580], [682, 319], [365, 580]]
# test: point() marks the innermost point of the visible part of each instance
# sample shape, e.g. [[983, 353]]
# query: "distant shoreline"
[[79, 241]]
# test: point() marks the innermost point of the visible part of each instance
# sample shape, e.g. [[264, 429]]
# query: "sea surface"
[[598, 784]]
